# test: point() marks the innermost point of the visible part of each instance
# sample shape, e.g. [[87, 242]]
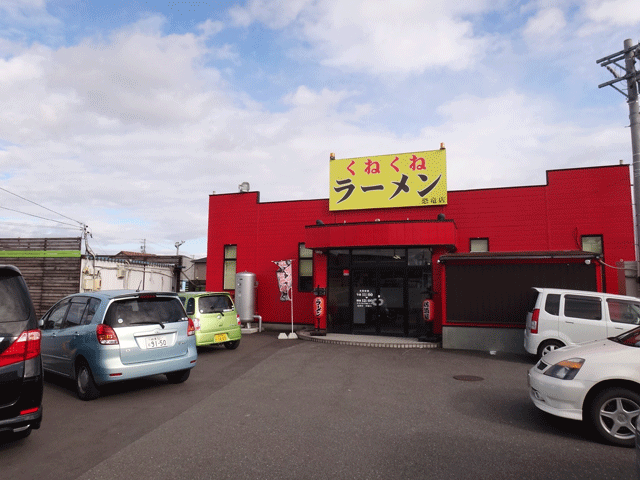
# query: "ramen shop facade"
[[392, 252]]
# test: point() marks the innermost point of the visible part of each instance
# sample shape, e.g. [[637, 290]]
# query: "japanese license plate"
[[156, 342], [220, 337]]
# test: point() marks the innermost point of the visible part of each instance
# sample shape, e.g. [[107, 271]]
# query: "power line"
[[41, 206], [14, 224], [42, 218]]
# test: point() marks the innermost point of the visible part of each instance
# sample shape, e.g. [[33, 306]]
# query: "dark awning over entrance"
[[370, 234]]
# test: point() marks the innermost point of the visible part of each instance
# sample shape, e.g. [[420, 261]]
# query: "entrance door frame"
[[409, 264]]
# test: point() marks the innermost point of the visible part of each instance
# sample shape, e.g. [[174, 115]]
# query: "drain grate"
[[468, 378]]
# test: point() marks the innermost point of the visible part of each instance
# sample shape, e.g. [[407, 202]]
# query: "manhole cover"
[[468, 378]]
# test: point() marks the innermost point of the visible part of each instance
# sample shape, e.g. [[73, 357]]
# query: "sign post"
[[285, 281]]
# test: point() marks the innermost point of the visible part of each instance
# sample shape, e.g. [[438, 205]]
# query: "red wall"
[[575, 202]]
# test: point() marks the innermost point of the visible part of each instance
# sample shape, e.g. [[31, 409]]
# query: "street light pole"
[[177, 244]]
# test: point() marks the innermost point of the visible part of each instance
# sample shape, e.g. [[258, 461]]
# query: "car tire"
[[549, 346], [614, 413], [86, 387], [232, 345], [178, 377]]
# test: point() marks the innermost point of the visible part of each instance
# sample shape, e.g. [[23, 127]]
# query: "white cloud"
[[274, 14], [129, 131], [378, 36], [621, 13], [544, 29], [511, 139]]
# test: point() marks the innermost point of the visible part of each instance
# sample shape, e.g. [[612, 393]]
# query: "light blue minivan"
[[108, 336]]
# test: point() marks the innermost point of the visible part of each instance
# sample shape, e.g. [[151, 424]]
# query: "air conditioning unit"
[[121, 272]]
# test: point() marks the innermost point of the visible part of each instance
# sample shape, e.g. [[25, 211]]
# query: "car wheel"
[[549, 346], [86, 387], [232, 345], [614, 413], [178, 377]]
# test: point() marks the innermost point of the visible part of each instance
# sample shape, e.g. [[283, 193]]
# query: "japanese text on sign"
[[401, 180]]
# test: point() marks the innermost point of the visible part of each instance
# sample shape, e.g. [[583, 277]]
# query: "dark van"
[[21, 378]]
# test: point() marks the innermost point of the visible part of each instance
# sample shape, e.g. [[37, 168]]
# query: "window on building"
[[230, 258], [479, 245], [305, 269], [592, 243]]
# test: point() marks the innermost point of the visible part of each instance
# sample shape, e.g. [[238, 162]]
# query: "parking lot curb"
[[366, 341]]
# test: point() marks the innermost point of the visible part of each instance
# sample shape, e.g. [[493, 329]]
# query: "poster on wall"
[[387, 181], [285, 279]]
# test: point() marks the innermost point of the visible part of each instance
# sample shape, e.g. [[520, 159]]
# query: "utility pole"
[[628, 73]]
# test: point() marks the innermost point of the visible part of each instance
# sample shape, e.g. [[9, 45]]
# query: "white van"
[[559, 317]]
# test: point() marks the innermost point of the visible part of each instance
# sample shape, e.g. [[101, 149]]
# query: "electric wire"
[[42, 218], [41, 206]]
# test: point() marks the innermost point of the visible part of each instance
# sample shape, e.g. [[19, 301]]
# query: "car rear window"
[[142, 310], [14, 298], [552, 305], [532, 298], [215, 304]]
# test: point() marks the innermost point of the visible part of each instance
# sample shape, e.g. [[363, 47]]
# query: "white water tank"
[[245, 298]]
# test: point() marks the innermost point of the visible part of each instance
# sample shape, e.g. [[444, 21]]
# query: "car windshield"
[[142, 310], [14, 304], [631, 338], [215, 304]]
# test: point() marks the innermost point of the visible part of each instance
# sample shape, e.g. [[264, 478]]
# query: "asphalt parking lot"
[[280, 409]]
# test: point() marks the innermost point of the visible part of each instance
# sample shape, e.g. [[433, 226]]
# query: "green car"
[[214, 316]]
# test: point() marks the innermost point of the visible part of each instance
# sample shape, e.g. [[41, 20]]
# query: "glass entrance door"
[[378, 301]]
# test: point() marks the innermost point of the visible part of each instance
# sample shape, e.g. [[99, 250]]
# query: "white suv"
[[559, 317]]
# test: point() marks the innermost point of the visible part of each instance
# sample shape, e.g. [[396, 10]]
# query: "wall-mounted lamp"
[[319, 222], [587, 261]]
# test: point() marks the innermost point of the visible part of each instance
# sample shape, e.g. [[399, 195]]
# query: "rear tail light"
[[196, 323], [191, 330], [238, 317], [26, 346], [106, 335], [29, 411], [533, 328]]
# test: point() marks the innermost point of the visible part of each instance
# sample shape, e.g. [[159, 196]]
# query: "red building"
[[475, 257]]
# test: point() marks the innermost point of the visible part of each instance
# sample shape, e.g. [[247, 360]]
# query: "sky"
[[121, 117]]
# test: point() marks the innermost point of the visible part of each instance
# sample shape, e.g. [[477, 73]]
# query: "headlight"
[[566, 369]]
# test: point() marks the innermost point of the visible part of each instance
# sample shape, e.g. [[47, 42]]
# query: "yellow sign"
[[402, 180]]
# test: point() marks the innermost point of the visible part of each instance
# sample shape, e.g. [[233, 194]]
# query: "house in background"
[[55, 267]]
